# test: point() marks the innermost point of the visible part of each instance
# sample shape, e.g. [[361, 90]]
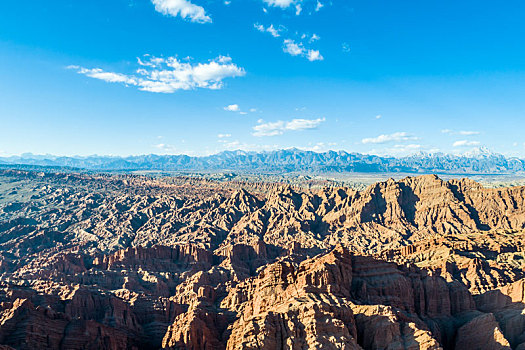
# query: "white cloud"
[[183, 8], [465, 143], [269, 129], [167, 75], [253, 110], [468, 133], [299, 5], [345, 47], [298, 49], [232, 108], [222, 136], [109, 77], [379, 116], [302, 124], [235, 108], [397, 136], [279, 127], [463, 132], [293, 48], [275, 32], [279, 3], [314, 37], [314, 55]]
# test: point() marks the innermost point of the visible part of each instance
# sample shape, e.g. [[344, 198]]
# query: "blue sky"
[[125, 77]]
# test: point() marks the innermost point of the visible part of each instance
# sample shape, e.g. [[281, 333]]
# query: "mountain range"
[[480, 161]]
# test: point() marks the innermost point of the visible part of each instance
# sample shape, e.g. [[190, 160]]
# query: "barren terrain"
[[93, 261]]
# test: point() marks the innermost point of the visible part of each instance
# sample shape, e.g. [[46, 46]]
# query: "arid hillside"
[[131, 262]]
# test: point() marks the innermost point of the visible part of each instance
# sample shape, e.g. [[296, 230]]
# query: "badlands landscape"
[[98, 261], [262, 175]]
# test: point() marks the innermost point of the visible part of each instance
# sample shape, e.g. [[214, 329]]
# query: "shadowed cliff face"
[[124, 262]]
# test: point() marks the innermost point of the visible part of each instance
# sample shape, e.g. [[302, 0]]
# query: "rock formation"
[[95, 261]]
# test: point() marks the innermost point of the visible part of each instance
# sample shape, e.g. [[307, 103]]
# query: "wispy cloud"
[[279, 127], [298, 49], [279, 3], [109, 77], [302, 124], [236, 108], [182, 8], [311, 5], [223, 136], [232, 108], [167, 75], [314, 37], [465, 143], [275, 32], [314, 55], [395, 137], [468, 133], [291, 46], [310, 38], [462, 132]]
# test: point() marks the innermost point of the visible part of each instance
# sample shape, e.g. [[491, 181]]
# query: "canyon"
[[105, 261]]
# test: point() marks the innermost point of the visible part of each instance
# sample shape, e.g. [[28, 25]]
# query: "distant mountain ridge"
[[481, 161]]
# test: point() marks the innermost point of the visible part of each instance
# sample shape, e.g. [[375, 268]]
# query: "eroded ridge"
[[132, 262]]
